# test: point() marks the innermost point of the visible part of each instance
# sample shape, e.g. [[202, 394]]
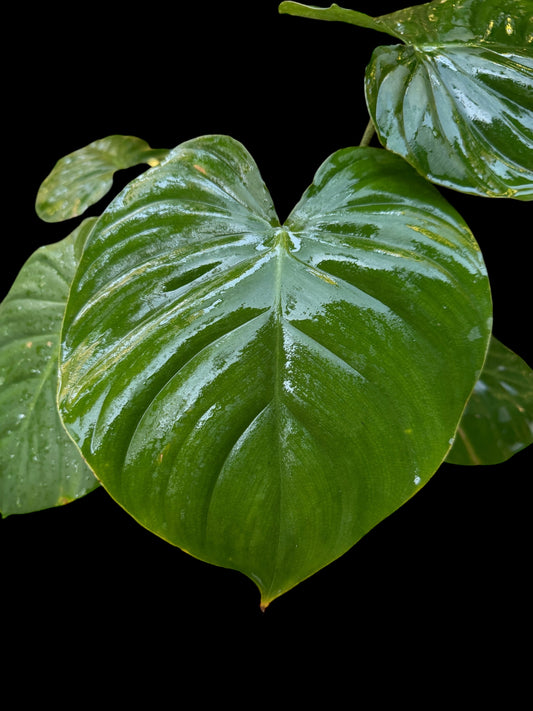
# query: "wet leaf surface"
[[261, 395], [83, 177], [40, 467]]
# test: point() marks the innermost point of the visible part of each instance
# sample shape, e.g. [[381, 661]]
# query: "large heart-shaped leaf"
[[456, 98], [262, 396], [80, 179], [498, 419], [40, 466]]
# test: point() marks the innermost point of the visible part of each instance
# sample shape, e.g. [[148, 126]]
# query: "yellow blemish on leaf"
[[422, 230], [489, 29], [152, 162], [323, 277], [162, 454], [192, 317], [509, 26], [29, 344]]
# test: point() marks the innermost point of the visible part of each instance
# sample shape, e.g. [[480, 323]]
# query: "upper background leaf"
[[81, 178], [456, 99]]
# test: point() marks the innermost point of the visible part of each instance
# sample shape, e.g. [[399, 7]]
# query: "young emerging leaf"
[[40, 466], [456, 98], [498, 419], [80, 179], [262, 396]]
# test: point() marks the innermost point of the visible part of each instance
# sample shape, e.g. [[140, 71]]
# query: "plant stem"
[[333, 13], [368, 135]]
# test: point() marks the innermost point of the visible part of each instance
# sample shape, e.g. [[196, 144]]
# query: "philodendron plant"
[[260, 394]]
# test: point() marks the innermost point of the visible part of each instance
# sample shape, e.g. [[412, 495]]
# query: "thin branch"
[[368, 135]]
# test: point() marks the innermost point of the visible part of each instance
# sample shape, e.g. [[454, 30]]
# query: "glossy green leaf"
[[83, 177], [262, 396], [455, 99], [498, 419], [40, 467]]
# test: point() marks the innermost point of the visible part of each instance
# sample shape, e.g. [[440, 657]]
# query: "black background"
[[441, 586]]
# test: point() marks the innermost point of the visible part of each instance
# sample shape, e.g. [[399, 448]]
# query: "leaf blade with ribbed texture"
[[262, 395]]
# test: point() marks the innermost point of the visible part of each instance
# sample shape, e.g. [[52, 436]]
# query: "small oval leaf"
[[498, 419], [40, 467], [81, 178], [262, 396]]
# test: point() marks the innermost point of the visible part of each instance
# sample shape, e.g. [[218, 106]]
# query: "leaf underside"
[[263, 395], [498, 419]]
